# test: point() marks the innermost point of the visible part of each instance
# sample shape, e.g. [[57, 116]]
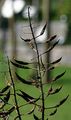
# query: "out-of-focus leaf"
[[56, 61], [53, 113], [58, 76], [47, 119], [35, 117], [19, 66], [28, 82], [4, 89]]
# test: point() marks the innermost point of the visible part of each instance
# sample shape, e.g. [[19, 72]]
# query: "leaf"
[[55, 91], [31, 111], [47, 119], [50, 90], [5, 113], [4, 89], [26, 40], [51, 38], [28, 82], [50, 68], [11, 110], [6, 98], [35, 117], [58, 76], [21, 62], [48, 50], [19, 66], [42, 31], [62, 101], [26, 97], [56, 61], [53, 113]]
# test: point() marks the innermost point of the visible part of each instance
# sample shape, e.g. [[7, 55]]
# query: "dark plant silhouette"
[[38, 102]]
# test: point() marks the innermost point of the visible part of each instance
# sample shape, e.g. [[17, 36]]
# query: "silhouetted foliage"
[[38, 103]]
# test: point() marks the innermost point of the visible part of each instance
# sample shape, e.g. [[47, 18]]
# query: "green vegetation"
[[64, 111], [31, 98]]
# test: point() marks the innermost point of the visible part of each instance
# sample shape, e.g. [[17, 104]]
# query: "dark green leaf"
[[55, 91], [35, 117], [4, 89], [5, 113], [53, 113], [21, 62], [11, 110], [28, 82], [47, 119], [26, 96], [58, 76], [31, 111], [6, 98], [62, 101], [50, 68], [56, 61], [19, 66]]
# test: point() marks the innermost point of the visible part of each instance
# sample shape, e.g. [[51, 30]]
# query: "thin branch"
[[17, 108], [38, 60]]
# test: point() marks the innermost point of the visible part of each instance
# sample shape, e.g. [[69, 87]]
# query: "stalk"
[[15, 98], [38, 61]]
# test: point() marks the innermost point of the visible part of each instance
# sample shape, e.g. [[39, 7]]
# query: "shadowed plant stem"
[[15, 98], [38, 60]]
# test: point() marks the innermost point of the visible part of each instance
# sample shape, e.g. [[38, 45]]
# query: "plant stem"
[[15, 98], [38, 60]]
